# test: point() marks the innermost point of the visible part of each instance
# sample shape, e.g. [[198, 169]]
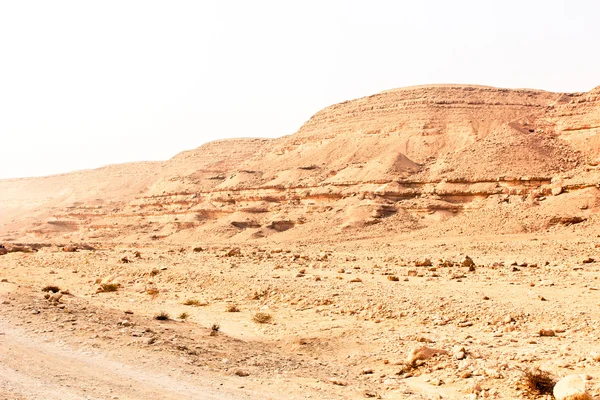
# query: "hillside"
[[449, 158]]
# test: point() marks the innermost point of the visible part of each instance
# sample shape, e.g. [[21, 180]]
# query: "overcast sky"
[[89, 83]]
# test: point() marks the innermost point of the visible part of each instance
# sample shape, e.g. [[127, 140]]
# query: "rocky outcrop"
[[396, 161]]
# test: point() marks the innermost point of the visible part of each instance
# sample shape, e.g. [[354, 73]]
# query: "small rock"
[[467, 262], [423, 353], [55, 297], [338, 381], [234, 252], [459, 355], [150, 340], [436, 382], [547, 332], [241, 372], [424, 263]]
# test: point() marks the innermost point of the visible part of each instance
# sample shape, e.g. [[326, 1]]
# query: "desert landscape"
[[430, 242]]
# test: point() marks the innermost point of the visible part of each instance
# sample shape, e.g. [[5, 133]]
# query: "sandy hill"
[[428, 159]]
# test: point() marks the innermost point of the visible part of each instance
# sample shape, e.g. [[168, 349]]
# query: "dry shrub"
[[538, 382], [233, 308], [262, 318], [183, 316], [162, 316], [108, 287], [260, 294], [51, 288], [192, 302], [214, 329]]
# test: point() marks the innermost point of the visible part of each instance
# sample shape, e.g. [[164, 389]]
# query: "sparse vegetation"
[[214, 329], [183, 316], [51, 288], [262, 318], [259, 294], [162, 316], [538, 382], [194, 303], [108, 287], [233, 308]]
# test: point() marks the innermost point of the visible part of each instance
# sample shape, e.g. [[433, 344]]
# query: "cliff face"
[[450, 158]]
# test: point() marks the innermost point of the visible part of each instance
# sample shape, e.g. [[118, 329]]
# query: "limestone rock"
[[571, 387], [556, 190], [423, 353]]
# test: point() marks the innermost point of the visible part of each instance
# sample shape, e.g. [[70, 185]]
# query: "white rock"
[[423, 353], [571, 387]]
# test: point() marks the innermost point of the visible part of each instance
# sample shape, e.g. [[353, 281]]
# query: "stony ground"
[[360, 319]]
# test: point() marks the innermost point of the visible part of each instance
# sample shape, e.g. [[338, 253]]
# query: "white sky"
[[89, 83]]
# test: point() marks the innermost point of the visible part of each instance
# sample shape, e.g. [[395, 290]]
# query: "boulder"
[[571, 387], [467, 262]]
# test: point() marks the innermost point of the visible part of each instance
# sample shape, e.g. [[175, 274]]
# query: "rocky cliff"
[[433, 159]]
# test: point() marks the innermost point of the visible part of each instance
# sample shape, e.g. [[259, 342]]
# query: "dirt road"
[[33, 369]]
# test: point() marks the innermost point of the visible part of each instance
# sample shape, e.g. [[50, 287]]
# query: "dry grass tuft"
[[233, 308], [262, 318], [51, 288], [214, 329], [183, 316], [162, 316], [108, 287], [192, 302], [538, 382]]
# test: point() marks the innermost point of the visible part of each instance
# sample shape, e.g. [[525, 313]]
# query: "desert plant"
[[233, 308], [51, 288], [538, 382], [262, 318], [214, 329], [162, 316], [108, 287], [183, 316], [192, 302]]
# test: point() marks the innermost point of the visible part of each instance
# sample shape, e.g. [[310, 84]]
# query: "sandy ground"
[[341, 327]]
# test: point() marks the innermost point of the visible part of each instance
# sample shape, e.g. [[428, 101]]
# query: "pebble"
[[338, 381]]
